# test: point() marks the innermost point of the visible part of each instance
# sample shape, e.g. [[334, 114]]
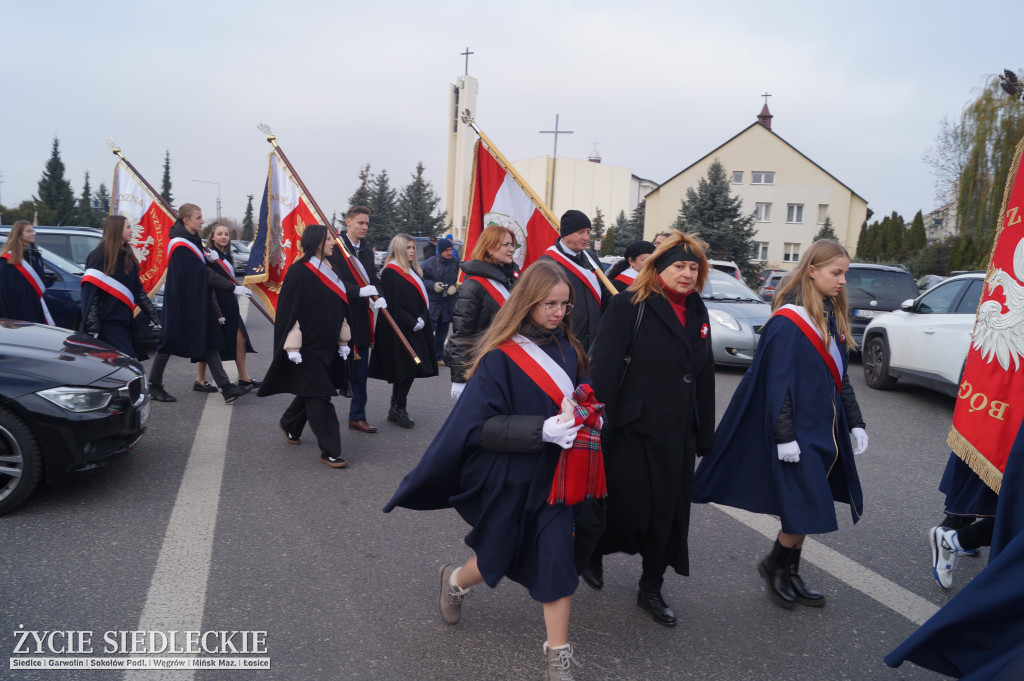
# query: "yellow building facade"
[[789, 194]]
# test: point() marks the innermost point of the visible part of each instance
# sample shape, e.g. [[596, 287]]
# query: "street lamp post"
[[218, 193]]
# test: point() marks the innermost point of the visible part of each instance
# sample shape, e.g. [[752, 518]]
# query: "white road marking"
[[868, 582]]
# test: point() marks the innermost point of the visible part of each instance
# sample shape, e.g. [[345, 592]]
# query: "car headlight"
[[77, 399], [725, 319]]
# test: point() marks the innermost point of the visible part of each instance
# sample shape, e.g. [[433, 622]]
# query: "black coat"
[[389, 360], [320, 313], [657, 420], [360, 315], [18, 298], [586, 311], [107, 316], [473, 311]]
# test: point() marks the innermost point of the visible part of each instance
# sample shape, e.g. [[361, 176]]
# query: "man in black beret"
[[590, 296]]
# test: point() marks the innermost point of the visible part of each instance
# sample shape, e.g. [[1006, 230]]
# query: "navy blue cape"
[[190, 327]]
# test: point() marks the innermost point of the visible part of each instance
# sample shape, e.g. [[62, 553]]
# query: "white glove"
[[379, 304], [452, 290], [561, 433], [861, 436], [438, 286], [367, 291], [457, 389], [295, 356], [222, 320], [343, 351], [211, 256], [789, 452], [419, 324], [243, 291]]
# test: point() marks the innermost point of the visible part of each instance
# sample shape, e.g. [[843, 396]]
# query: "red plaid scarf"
[[580, 471]]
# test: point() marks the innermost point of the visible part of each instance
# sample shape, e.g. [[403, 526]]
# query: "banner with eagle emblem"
[[990, 401]]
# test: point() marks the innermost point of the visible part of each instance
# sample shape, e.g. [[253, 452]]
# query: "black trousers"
[[323, 421], [400, 393], [977, 534]]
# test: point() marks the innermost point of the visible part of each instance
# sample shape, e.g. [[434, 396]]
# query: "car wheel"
[[876, 364], [21, 464]]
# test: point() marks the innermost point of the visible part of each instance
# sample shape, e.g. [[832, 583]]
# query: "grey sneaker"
[[449, 600], [560, 663], [943, 555]]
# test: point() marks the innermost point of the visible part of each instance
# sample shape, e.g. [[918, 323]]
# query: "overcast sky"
[[859, 88]]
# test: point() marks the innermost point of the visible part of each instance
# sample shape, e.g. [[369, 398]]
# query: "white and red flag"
[[151, 222], [284, 213], [498, 199]]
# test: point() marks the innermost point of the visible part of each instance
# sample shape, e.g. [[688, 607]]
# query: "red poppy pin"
[[704, 331], [842, 336]]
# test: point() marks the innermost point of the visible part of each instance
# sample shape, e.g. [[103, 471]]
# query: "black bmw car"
[[68, 404]]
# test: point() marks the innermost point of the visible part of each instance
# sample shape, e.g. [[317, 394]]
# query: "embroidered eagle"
[[1000, 334]]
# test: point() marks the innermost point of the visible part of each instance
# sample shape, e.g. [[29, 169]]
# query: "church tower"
[[459, 167]]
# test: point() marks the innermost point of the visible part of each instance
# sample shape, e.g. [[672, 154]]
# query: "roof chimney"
[[765, 117]]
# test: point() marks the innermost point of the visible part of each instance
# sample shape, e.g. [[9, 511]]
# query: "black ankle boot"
[[775, 571], [593, 574], [803, 595], [650, 600], [401, 417]]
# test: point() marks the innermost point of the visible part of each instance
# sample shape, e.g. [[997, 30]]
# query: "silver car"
[[737, 315]]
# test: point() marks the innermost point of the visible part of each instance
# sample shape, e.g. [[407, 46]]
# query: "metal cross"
[[765, 95], [466, 55], [554, 159]]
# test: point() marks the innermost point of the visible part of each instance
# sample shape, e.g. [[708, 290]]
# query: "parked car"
[[68, 404], [71, 243], [927, 281], [240, 254], [771, 284], [727, 266], [737, 315], [873, 290], [765, 273], [927, 339]]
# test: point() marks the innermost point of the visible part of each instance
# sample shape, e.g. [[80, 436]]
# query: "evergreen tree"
[[416, 211], [719, 220], [362, 196], [636, 222], [622, 233], [382, 207], [101, 203], [165, 189], [597, 226], [916, 238], [248, 225], [86, 216], [826, 231], [894, 238], [55, 192], [608, 243], [862, 243]]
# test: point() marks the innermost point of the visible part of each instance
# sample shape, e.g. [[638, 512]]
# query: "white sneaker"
[[944, 553]]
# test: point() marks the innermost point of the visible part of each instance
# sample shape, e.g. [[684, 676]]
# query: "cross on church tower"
[[554, 159], [466, 55], [765, 95]]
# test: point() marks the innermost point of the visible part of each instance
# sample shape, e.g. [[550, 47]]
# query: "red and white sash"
[[585, 275], [327, 277], [540, 367], [226, 266], [410, 277], [112, 286], [493, 287], [35, 282], [833, 360], [179, 242], [627, 276]]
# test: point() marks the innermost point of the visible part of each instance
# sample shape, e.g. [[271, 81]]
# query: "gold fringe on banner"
[[988, 473]]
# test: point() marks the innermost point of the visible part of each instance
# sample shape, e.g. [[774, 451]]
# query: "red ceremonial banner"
[[990, 402], [151, 224]]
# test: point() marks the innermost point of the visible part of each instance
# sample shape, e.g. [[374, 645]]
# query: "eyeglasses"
[[508, 244], [560, 307]]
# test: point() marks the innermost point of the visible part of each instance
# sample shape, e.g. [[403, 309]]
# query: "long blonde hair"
[[514, 315], [798, 288], [398, 245], [13, 244], [647, 283]]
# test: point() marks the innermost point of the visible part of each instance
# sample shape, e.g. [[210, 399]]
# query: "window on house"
[[791, 252], [822, 213], [737, 177], [795, 212], [760, 251], [757, 177], [763, 212]]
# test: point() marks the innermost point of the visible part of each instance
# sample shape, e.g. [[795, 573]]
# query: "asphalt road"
[[215, 522]]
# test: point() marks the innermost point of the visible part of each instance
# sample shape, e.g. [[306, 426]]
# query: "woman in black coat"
[[402, 286], [111, 290], [661, 413], [310, 346], [490, 276], [21, 277]]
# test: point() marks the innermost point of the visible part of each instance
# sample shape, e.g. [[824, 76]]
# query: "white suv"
[[927, 339]]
